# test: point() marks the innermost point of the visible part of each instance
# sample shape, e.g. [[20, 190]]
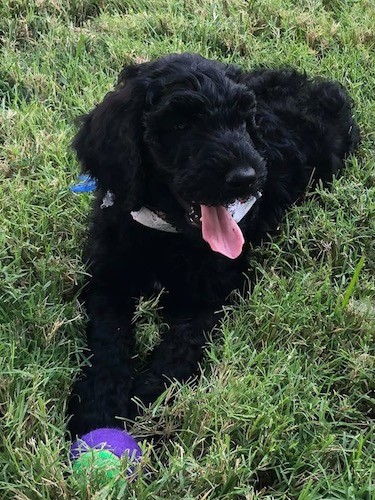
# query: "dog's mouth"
[[193, 212], [219, 223]]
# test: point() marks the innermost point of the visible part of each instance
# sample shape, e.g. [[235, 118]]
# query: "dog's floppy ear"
[[109, 142]]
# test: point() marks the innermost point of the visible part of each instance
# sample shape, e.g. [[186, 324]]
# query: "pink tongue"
[[221, 231]]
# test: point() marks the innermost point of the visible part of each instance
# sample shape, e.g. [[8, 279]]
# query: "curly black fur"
[[173, 131]]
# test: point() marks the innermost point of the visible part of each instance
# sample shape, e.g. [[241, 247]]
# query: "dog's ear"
[[109, 142]]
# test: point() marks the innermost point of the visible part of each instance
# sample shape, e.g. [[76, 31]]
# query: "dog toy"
[[101, 450]]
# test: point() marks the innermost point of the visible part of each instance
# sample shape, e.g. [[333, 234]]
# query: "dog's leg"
[[102, 392], [177, 357]]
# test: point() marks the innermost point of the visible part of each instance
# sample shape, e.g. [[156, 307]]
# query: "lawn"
[[283, 408]]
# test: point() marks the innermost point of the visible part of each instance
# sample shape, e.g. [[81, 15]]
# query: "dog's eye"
[[180, 126]]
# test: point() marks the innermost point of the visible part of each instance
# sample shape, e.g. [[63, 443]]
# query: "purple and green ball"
[[101, 450]]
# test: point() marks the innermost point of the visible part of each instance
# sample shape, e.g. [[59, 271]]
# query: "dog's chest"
[[180, 266]]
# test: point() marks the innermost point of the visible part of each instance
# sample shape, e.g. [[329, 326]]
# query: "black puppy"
[[194, 160]]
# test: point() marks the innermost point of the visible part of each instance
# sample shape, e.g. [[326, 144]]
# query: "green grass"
[[283, 408]]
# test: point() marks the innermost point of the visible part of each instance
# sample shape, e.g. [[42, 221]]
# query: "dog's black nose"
[[242, 176]]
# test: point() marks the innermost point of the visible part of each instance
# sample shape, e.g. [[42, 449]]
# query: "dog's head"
[[184, 124]]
